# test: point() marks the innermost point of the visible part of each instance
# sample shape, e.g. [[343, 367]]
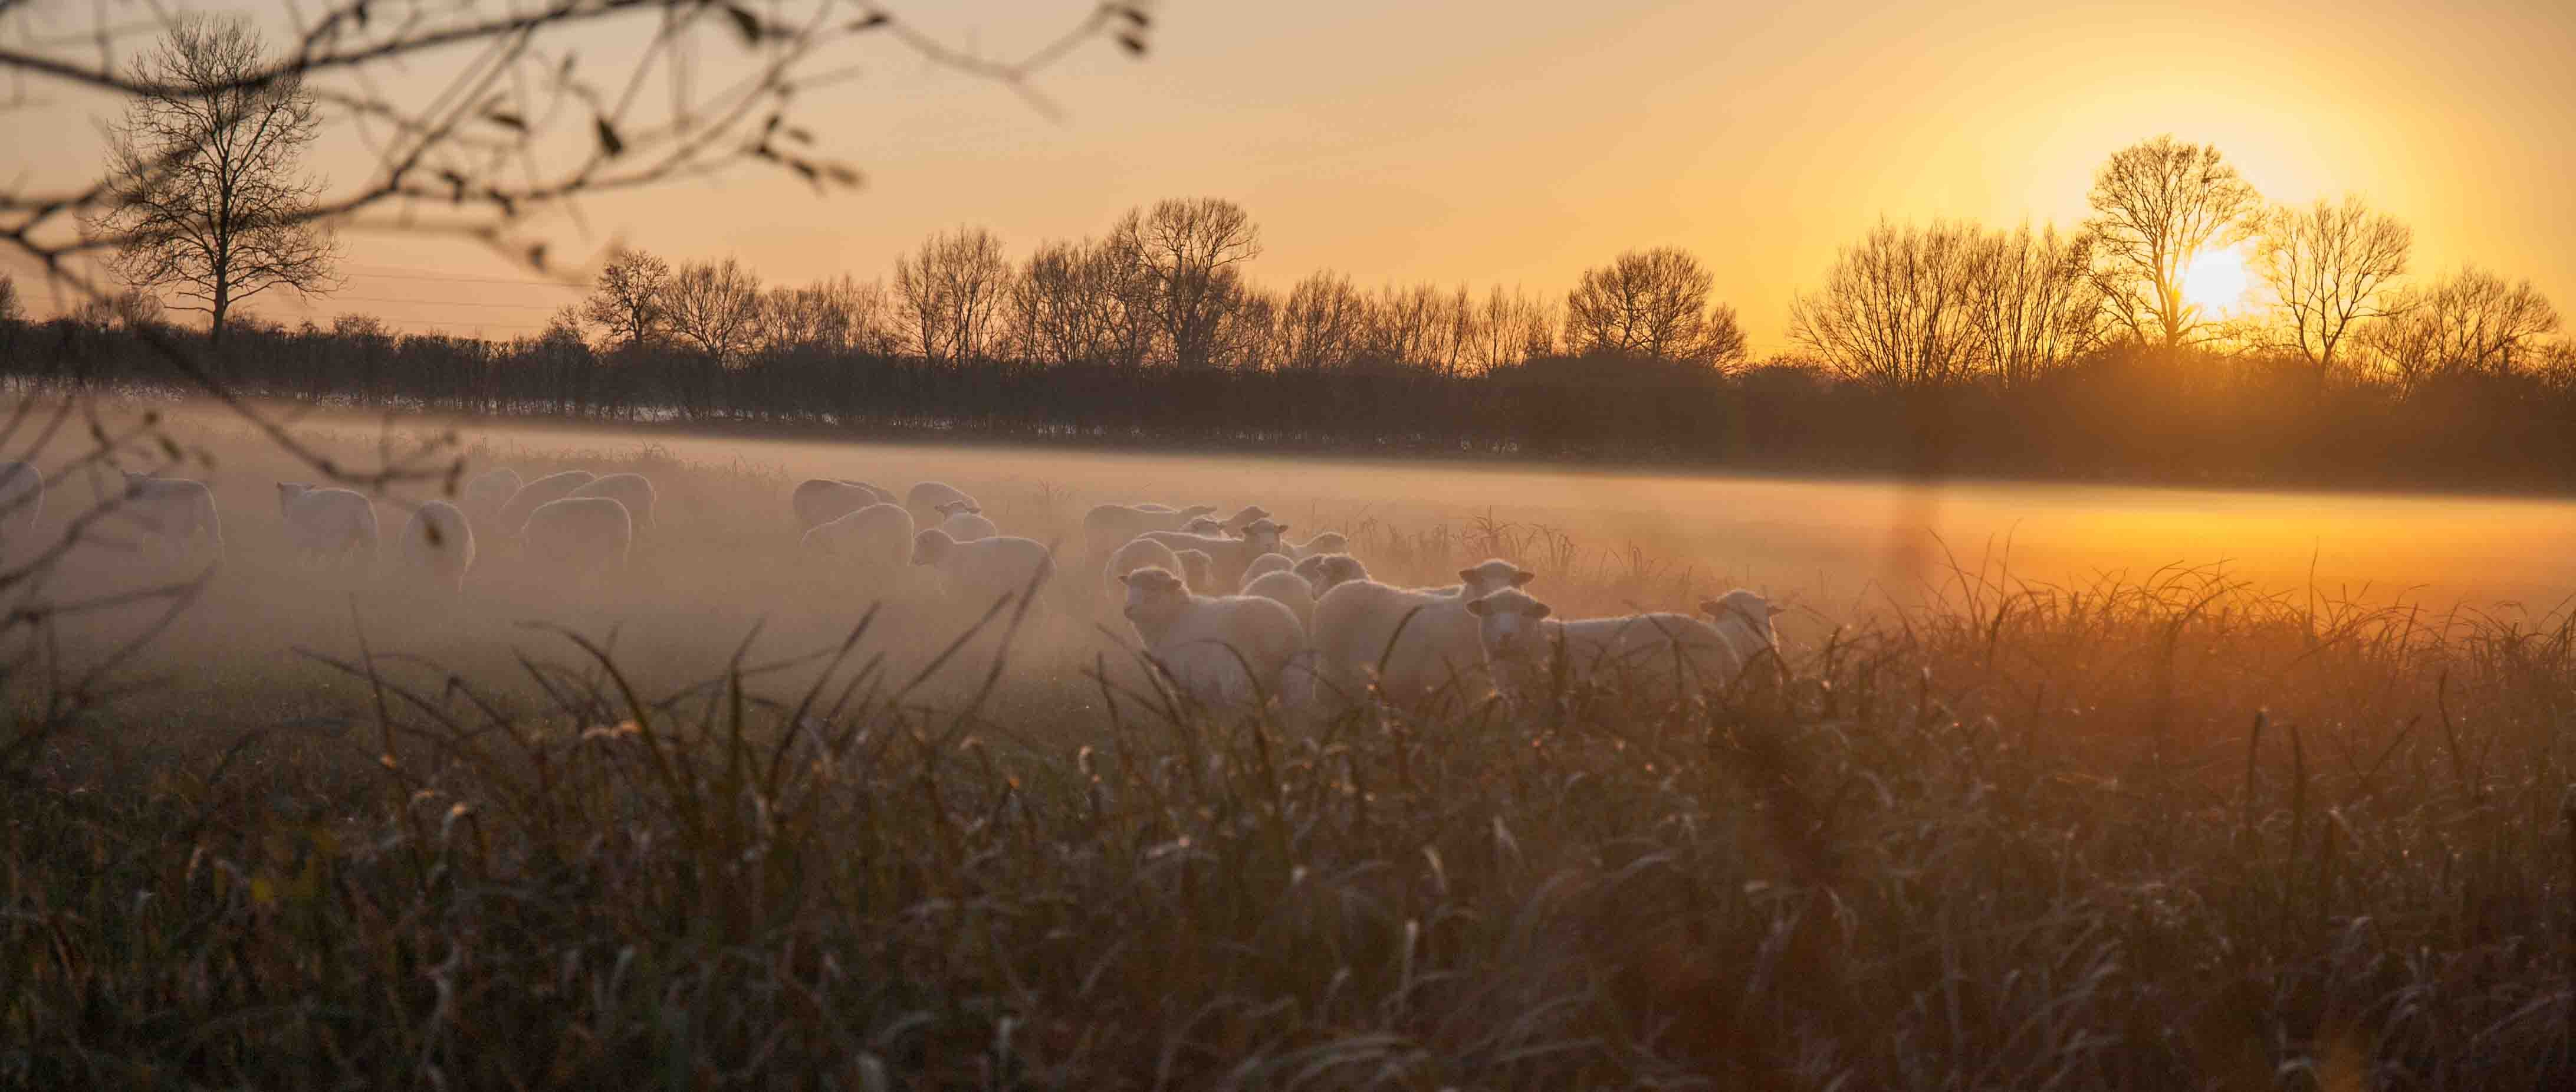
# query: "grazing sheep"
[[1328, 571], [965, 522], [635, 491], [981, 572], [1426, 637], [876, 539], [1108, 526], [1288, 589], [176, 512], [578, 537], [818, 501], [22, 498], [1197, 569], [1242, 521], [1330, 542], [552, 487], [485, 493], [1222, 651], [925, 498], [435, 549], [1205, 525], [1744, 619], [1137, 554], [1656, 654], [1265, 565], [337, 525], [1230, 555]]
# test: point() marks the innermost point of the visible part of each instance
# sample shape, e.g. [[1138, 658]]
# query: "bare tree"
[[1652, 305], [1510, 328], [11, 308], [2331, 266], [2155, 205], [1323, 323], [626, 299], [2473, 321], [2032, 304], [1080, 303], [1189, 251], [1898, 309], [208, 203], [953, 291], [715, 306], [839, 315]]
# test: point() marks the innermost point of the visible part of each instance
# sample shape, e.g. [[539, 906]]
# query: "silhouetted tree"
[[715, 306], [2331, 266], [2032, 303], [1899, 309], [1323, 324], [1190, 251], [2473, 321], [627, 300], [1080, 303], [953, 291], [2155, 205], [1652, 305], [207, 202]]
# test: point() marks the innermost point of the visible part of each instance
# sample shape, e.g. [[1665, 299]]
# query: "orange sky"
[[1497, 143]]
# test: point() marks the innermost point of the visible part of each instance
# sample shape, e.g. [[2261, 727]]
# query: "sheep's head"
[[1493, 575], [1195, 510], [1746, 612], [1244, 519], [1508, 624], [1204, 526], [952, 508], [1198, 567], [1330, 542], [932, 547], [1329, 571], [1264, 535], [1153, 592], [286, 492]]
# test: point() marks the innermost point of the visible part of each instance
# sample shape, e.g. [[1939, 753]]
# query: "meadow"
[[2098, 789]]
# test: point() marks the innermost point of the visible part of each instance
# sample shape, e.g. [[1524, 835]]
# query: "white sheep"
[[635, 491], [1653, 655], [1197, 568], [485, 493], [980, 573], [875, 540], [1329, 542], [436, 547], [818, 501], [578, 537], [553, 487], [1265, 565], [1324, 572], [1287, 589], [1221, 651], [965, 522], [1744, 619], [1426, 638], [924, 499], [22, 498], [1136, 554], [1230, 555], [1206, 525], [177, 513], [336, 525], [1241, 521], [1108, 526]]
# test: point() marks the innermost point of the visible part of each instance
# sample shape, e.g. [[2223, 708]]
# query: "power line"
[[416, 276], [447, 303]]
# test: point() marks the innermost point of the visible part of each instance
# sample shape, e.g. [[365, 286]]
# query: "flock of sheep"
[[1231, 611]]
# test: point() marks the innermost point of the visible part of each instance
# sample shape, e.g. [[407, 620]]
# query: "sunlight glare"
[[2216, 281]]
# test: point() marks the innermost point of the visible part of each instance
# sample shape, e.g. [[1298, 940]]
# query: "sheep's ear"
[[1774, 612], [1710, 607], [1127, 578], [1540, 610], [1281, 529], [1466, 576], [1523, 576], [1478, 608]]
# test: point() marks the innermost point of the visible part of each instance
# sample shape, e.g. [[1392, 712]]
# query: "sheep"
[[1197, 568], [1221, 651], [981, 572], [22, 498], [436, 547], [578, 537], [876, 539], [1239, 522], [1230, 555], [1137, 554], [1288, 589], [176, 512], [925, 498], [1265, 565], [1744, 619], [818, 501], [553, 487], [1108, 526], [1426, 638], [965, 522], [1328, 571], [1206, 526], [485, 493], [1658, 653], [1330, 542], [635, 491], [332, 524]]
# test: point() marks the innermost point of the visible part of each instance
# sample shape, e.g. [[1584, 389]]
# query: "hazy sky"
[[1517, 143]]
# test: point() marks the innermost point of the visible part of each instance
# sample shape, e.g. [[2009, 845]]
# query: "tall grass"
[[2171, 832]]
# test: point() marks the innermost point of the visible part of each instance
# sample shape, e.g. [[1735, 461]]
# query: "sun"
[[2216, 281]]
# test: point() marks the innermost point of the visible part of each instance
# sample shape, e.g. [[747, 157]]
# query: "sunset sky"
[[1491, 143]]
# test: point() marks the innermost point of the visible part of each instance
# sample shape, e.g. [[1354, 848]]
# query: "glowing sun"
[[2216, 281]]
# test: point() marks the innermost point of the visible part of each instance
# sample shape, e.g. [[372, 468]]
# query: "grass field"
[[2160, 830]]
